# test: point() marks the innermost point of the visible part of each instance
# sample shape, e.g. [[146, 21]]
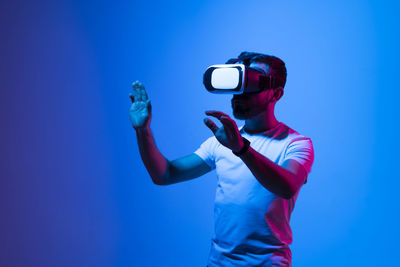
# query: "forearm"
[[156, 164], [270, 175]]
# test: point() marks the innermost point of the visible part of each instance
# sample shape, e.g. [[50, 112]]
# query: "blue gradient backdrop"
[[74, 191]]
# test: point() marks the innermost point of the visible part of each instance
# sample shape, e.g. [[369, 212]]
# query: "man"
[[260, 167]]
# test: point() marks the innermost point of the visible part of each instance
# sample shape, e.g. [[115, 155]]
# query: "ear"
[[278, 93]]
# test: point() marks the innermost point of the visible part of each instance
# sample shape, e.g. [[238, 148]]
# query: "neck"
[[262, 122]]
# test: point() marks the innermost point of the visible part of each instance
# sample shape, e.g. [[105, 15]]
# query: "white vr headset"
[[236, 79]]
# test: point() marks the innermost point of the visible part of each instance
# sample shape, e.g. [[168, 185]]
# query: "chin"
[[240, 116], [246, 113]]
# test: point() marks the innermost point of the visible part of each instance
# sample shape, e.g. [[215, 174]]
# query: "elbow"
[[160, 180], [157, 182], [290, 188], [287, 195], [289, 192]]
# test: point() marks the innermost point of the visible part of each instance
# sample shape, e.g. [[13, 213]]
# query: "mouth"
[[239, 107], [240, 100], [237, 102]]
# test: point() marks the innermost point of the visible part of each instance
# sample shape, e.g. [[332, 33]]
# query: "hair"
[[277, 66]]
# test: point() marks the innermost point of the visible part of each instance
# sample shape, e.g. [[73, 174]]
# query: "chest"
[[236, 182]]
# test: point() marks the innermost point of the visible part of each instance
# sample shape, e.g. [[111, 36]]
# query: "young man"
[[260, 167]]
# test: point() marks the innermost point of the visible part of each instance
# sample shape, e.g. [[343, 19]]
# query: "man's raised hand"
[[140, 111]]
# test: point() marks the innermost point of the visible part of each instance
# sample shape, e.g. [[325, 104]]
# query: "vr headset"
[[236, 79]]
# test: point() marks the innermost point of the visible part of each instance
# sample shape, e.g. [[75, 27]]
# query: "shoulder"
[[211, 143], [295, 141], [294, 135]]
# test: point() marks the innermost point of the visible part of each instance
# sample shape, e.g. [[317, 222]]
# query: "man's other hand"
[[228, 135]]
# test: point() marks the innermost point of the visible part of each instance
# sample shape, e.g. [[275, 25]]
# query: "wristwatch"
[[244, 148]]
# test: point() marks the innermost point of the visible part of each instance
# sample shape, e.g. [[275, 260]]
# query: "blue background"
[[74, 191]]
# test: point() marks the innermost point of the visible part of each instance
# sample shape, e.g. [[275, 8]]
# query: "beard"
[[240, 113], [243, 112]]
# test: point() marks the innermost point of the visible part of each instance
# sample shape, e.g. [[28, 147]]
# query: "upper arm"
[[186, 168], [299, 172]]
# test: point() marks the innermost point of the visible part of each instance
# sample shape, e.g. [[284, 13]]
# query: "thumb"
[[132, 98], [149, 108], [210, 124]]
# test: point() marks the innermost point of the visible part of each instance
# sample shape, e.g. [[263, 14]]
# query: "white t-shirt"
[[251, 224]]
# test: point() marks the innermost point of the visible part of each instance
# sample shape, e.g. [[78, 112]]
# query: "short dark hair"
[[278, 68]]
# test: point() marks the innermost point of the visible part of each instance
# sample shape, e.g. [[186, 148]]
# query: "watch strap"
[[244, 148]]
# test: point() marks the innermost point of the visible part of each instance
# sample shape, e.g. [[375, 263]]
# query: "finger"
[[148, 103], [216, 113], [136, 93], [141, 91], [229, 128], [143, 94], [232, 123], [210, 124], [219, 115], [136, 84], [132, 97], [228, 125]]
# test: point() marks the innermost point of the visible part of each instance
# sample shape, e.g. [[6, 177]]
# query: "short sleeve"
[[206, 151], [301, 150]]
